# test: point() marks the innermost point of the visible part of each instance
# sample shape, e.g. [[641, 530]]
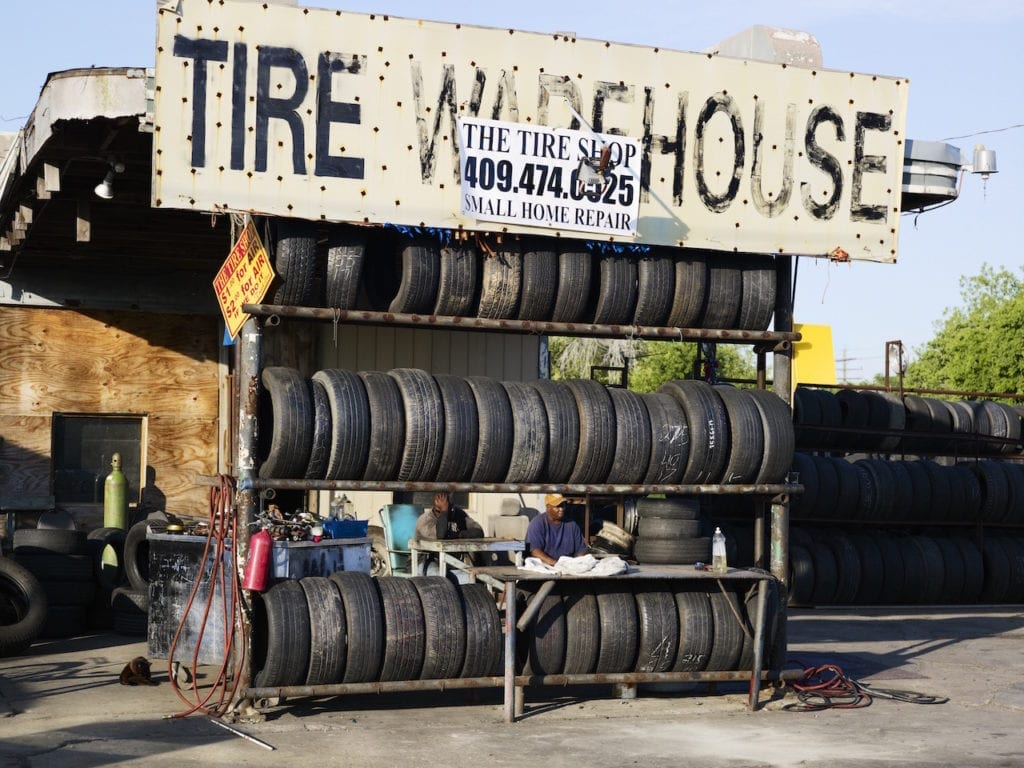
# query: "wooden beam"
[[83, 222], [19, 224], [26, 213]]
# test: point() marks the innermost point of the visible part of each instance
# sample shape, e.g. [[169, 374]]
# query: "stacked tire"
[[872, 566], [129, 587], [352, 628], [409, 425], [536, 278], [648, 626], [59, 559], [882, 421], [670, 532], [23, 608], [921, 491]]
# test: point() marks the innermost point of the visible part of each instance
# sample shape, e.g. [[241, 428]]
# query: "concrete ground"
[[62, 705]]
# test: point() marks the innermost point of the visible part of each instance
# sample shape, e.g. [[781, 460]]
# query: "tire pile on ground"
[[60, 560], [833, 566], [985, 491], [85, 578], [669, 531], [544, 279], [352, 628], [587, 627], [129, 596], [22, 607], [932, 426], [409, 425]]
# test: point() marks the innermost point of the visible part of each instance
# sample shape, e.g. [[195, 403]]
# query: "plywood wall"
[[161, 366]]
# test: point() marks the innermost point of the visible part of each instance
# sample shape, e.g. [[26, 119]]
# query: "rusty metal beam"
[[517, 326], [402, 686], [570, 489]]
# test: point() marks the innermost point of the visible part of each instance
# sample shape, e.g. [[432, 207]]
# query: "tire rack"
[[778, 342]]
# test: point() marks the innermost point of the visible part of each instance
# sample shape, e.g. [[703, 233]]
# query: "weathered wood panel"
[[164, 367], [24, 455], [178, 450], [106, 362]]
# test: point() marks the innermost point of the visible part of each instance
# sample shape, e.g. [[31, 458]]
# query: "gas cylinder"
[[115, 496], [257, 566]]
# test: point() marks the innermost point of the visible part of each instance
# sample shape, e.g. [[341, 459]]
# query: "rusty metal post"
[[782, 376], [782, 383], [250, 360], [511, 691], [760, 519], [755, 676]]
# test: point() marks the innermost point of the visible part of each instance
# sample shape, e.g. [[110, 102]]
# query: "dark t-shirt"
[[556, 539]]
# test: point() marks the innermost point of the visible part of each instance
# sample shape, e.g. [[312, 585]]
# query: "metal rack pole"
[[782, 378], [250, 360]]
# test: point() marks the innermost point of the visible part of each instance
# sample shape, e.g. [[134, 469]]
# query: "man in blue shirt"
[[549, 537]]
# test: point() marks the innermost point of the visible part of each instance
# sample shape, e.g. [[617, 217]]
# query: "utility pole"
[[842, 361]]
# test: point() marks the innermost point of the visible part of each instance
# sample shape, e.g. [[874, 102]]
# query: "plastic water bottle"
[[718, 560], [332, 526]]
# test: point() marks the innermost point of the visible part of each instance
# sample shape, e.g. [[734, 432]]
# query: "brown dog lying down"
[[136, 672]]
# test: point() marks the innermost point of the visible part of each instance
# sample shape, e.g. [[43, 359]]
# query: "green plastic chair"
[[399, 522]]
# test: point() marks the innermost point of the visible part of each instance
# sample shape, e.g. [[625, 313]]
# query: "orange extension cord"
[[213, 572]]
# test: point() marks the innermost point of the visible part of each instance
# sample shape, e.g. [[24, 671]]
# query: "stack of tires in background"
[[59, 559], [882, 523], [90, 582]]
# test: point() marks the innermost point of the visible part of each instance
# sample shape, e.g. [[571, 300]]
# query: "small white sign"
[[536, 176]]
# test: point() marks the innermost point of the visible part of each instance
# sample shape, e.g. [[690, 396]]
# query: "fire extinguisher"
[[257, 566]]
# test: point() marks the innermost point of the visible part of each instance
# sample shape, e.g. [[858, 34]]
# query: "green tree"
[[663, 361], [651, 363], [979, 346]]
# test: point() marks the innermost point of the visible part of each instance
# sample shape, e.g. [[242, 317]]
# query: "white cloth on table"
[[578, 566]]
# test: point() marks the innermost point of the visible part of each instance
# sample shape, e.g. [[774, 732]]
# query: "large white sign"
[[339, 116]]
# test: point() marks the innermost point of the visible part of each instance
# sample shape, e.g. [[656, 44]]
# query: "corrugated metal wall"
[[504, 356]]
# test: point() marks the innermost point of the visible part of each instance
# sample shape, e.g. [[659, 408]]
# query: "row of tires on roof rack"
[[922, 490], [542, 279], [352, 628], [868, 419], [409, 425], [831, 566]]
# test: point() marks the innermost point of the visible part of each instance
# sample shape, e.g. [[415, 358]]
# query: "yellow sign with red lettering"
[[244, 278]]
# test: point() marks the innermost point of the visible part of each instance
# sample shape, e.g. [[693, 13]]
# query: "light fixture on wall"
[[105, 188]]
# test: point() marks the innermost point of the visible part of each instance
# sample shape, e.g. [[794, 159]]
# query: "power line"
[[979, 133]]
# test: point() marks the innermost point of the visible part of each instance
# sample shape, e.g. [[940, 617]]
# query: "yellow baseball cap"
[[554, 500]]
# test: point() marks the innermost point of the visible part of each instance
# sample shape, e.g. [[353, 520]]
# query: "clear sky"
[[964, 61]]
